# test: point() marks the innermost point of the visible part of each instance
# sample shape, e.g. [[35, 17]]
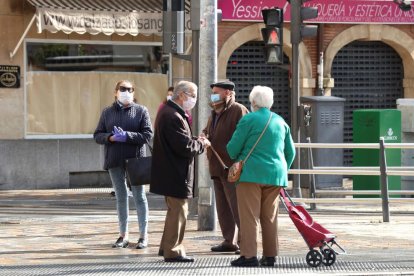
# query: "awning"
[[101, 16]]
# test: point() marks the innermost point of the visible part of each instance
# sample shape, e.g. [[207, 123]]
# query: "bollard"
[[384, 182], [312, 182]]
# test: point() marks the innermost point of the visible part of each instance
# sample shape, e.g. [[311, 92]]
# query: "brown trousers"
[[227, 213], [258, 204], [174, 228]]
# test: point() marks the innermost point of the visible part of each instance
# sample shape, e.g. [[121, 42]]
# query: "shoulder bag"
[[138, 169], [236, 169]]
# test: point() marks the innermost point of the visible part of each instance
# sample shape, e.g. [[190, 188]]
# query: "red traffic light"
[[272, 36]]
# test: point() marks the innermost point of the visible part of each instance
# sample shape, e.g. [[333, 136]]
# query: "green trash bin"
[[369, 125]]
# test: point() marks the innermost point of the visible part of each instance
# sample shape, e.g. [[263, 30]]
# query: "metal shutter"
[[368, 75], [247, 68]]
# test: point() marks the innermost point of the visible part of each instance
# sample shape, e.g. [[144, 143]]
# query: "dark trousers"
[[227, 212]]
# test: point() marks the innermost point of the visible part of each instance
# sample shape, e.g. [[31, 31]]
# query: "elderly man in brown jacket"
[[221, 124]]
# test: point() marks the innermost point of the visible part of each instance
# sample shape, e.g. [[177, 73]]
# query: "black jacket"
[[173, 153], [135, 120]]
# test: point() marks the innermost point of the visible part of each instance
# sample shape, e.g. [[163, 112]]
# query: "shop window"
[[68, 85], [95, 57]]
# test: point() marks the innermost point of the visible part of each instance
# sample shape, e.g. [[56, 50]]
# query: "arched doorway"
[[246, 67], [368, 74]]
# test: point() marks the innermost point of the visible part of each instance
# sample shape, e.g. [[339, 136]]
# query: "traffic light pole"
[[297, 32], [294, 116]]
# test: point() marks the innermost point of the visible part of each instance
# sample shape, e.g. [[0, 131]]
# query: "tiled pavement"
[[70, 232]]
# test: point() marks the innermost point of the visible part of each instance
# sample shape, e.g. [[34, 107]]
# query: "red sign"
[[329, 11]]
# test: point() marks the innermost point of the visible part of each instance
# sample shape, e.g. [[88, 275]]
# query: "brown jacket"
[[220, 133]]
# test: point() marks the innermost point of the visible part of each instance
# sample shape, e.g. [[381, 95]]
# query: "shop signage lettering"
[[346, 11], [121, 23], [9, 76]]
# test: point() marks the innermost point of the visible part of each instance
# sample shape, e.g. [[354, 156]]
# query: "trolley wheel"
[[314, 258], [329, 256]]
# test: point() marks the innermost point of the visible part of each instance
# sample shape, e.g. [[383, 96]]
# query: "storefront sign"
[[329, 11], [9, 76], [105, 22]]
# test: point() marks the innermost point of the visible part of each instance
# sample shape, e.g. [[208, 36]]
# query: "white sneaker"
[[130, 194]]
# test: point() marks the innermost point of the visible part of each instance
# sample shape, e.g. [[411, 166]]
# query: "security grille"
[[369, 76], [247, 68]]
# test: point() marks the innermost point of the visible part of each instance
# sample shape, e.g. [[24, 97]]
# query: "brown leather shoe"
[[224, 248]]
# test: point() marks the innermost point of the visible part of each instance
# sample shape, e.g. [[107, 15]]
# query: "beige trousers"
[[258, 204], [174, 228]]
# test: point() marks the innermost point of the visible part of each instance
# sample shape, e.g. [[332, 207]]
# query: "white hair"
[[262, 96], [184, 86]]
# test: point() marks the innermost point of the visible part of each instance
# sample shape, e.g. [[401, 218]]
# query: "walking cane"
[[219, 158]]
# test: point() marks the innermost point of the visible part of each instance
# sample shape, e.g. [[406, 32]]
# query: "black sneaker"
[[141, 244], [120, 243], [243, 261], [267, 261]]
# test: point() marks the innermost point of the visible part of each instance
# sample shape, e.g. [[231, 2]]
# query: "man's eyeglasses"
[[126, 89], [191, 95]]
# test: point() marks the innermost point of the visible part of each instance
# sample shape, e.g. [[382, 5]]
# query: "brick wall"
[[330, 31]]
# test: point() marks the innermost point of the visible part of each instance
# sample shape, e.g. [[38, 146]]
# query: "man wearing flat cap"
[[225, 115]]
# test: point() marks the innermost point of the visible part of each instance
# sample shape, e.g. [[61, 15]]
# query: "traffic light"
[[298, 14], [403, 4], [273, 35]]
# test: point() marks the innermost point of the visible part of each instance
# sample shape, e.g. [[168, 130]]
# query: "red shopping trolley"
[[319, 240]]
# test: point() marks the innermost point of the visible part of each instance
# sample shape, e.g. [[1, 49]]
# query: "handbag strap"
[[258, 139], [149, 146]]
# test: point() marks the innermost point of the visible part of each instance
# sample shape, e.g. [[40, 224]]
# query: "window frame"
[[64, 41]]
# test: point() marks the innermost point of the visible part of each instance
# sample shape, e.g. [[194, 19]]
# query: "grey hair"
[[184, 86], [262, 96]]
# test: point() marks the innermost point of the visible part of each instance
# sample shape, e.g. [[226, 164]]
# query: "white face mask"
[[189, 103], [125, 97], [169, 97]]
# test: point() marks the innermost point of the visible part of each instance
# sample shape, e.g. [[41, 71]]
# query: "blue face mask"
[[215, 97]]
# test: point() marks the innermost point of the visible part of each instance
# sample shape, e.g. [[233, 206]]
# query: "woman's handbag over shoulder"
[[138, 169], [236, 169]]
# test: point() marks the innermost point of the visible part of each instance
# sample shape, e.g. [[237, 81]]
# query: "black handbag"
[[138, 169]]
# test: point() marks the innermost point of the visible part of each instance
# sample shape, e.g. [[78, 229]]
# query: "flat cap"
[[224, 84]]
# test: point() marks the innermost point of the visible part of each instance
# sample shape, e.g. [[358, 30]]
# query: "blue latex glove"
[[118, 130], [119, 135]]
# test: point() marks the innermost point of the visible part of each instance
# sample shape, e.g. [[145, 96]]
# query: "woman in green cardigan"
[[264, 173]]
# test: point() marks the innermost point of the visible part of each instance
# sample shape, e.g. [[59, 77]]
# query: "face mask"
[[189, 103], [215, 97], [125, 97], [169, 97]]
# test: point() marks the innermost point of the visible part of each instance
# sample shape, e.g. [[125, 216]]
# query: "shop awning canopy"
[[101, 16]]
